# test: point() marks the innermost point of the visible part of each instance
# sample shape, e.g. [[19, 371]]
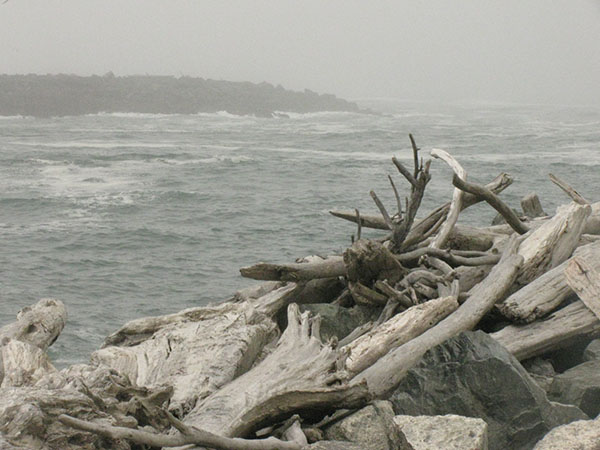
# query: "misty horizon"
[[515, 52]]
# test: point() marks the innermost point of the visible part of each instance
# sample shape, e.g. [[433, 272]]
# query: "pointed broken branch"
[[575, 196]]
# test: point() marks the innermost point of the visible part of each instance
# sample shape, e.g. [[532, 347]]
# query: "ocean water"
[[127, 215]]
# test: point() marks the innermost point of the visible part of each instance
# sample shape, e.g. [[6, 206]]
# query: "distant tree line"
[[65, 95]]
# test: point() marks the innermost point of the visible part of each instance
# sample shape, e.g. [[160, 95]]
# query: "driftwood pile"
[[237, 375]]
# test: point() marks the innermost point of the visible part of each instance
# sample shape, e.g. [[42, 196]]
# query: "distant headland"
[[71, 95]]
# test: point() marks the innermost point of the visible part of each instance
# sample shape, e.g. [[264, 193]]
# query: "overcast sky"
[[524, 51]]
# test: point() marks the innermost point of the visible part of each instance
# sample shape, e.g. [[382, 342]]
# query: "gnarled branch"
[[494, 201]]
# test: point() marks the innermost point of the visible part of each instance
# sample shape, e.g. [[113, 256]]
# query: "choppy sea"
[[128, 215]]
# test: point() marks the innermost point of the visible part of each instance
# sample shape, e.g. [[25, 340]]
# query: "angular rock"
[[372, 427], [472, 375], [339, 321], [579, 386], [580, 435], [449, 432], [592, 351]]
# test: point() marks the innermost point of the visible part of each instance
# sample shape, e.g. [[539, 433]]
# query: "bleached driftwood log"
[[583, 277], [553, 242], [23, 343], [368, 348], [554, 332], [196, 350], [546, 293], [387, 372], [332, 266], [23, 364], [300, 373]]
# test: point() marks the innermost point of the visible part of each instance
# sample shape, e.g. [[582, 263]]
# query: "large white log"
[[554, 332], [196, 351], [553, 242], [546, 293]]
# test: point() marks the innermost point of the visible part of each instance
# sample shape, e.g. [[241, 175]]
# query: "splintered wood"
[[584, 279]]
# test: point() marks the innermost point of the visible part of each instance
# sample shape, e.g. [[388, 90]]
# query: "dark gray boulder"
[[579, 386], [474, 376]]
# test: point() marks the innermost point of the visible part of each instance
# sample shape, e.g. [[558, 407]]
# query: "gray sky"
[[524, 51]]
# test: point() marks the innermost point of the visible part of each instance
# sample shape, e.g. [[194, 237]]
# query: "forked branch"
[[418, 181]]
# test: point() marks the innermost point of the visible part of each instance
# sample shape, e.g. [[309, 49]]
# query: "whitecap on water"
[[97, 144], [337, 155], [320, 114]]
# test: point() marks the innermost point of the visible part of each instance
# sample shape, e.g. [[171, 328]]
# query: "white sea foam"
[[97, 144], [47, 162], [349, 156], [210, 160], [318, 114], [15, 117], [131, 115], [224, 115]]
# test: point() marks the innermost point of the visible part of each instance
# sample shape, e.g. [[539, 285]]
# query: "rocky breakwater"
[[437, 335]]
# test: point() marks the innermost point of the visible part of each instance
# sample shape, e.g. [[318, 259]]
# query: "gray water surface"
[[127, 215]]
